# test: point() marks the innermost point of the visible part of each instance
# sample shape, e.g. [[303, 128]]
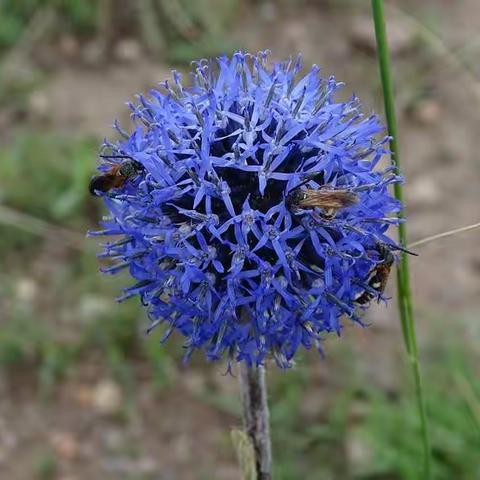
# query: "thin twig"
[[37, 226], [448, 233]]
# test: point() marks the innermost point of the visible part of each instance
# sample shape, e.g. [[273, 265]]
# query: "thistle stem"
[[256, 417], [403, 277]]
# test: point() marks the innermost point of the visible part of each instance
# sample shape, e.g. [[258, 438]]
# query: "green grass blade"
[[403, 278]]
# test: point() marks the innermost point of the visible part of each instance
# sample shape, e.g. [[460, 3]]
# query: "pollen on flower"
[[220, 249]]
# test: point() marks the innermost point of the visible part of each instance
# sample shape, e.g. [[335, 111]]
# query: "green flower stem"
[[403, 277]]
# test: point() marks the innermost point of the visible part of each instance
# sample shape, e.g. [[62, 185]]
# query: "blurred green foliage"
[[178, 29], [15, 90], [369, 434], [31, 341], [57, 167], [45, 466], [392, 427], [115, 333], [198, 29], [15, 15]]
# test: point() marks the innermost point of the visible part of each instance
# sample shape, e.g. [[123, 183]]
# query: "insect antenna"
[[309, 178], [398, 247], [116, 156]]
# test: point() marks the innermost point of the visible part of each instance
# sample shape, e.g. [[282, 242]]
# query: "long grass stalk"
[[403, 277]]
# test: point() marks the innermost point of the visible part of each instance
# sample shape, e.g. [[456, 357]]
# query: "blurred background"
[[83, 393]]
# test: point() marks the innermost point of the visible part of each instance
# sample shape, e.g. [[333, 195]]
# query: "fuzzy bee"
[[327, 199], [116, 176], [378, 277]]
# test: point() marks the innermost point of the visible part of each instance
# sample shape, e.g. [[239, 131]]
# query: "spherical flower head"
[[250, 209]]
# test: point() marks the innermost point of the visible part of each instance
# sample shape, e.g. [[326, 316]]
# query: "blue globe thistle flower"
[[250, 209]]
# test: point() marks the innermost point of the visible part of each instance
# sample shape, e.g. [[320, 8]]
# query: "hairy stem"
[[403, 277], [256, 416]]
